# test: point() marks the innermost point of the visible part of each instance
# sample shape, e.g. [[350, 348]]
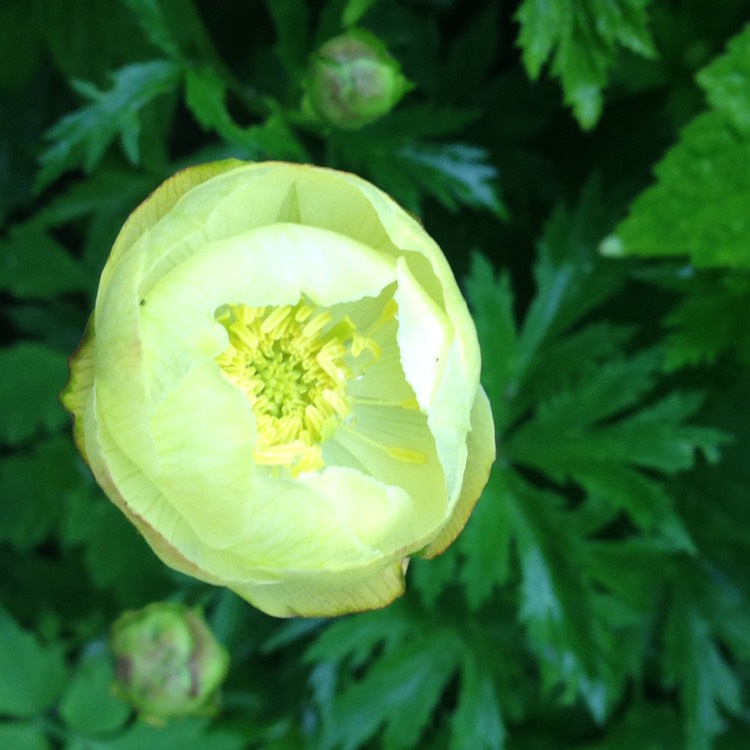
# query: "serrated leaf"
[[698, 206], [492, 302], [205, 95], [707, 683], [647, 502], [32, 675], [477, 722], [32, 376], [354, 638], [557, 604], [455, 174], [22, 736], [712, 318], [574, 431], [581, 41], [81, 138], [626, 567], [400, 692], [88, 704], [486, 543], [34, 265], [726, 82], [206, 92], [154, 23]]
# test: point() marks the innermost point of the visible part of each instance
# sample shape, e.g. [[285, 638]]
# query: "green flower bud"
[[167, 661], [353, 80]]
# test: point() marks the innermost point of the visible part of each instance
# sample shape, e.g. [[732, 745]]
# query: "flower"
[[279, 386], [353, 80], [167, 661]]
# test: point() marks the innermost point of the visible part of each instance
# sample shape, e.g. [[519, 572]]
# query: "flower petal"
[[378, 515], [481, 455], [204, 433], [75, 395], [321, 594]]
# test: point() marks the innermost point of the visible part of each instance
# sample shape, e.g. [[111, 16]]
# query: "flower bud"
[[167, 661], [353, 80]]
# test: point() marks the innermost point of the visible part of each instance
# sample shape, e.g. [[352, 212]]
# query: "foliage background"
[[586, 167]]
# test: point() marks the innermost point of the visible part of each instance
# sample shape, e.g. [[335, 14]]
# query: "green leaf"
[[475, 48], [353, 639], [726, 80], [394, 154], [21, 736], [557, 604], [88, 704], [429, 577], [33, 375], [579, 429], [415, 122], [292, 22], [645, 726], [581, 41], [117, 557], [152, 20], [34, 265], [354, 10], [32, 674], [712, 318], [206, 93], [187, 734], [81, 138], [455, 174], [33, 487], [706, 681], [477, 722], [486, 542], [698, 206], [492, 301], [399, 691]]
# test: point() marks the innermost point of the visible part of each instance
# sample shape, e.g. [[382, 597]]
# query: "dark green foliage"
[[581, 41], [599, 597]]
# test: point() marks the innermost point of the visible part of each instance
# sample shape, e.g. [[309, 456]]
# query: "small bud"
[[167, 661], [353, 80]]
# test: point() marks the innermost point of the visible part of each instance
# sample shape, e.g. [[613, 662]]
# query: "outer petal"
[[322, 594], [76, 393], [158, 204], [481, 455]]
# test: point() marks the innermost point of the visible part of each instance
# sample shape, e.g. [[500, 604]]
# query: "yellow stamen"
[[293, 363]]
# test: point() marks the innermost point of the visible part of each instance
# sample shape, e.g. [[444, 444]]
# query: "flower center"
[[293, 364]]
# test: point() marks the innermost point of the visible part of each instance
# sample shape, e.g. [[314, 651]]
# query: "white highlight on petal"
[[424, 333]]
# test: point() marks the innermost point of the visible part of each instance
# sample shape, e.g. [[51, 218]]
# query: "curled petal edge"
[[481, 455]]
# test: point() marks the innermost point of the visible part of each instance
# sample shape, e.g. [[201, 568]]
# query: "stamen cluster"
[[293, 363]]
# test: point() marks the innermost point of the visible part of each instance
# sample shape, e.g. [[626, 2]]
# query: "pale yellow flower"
[[279, 386]]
